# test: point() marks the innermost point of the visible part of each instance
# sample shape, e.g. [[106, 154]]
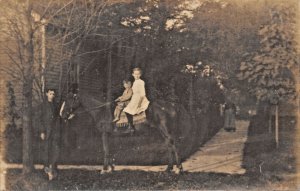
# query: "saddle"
[[137, 119]]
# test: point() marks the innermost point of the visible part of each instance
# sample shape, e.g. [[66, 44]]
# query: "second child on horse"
[[123, 100]]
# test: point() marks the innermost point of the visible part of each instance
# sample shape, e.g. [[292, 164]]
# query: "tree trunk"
[[27, 128], [270, 121], [27, 92], [191, 97], [109, 78], [60, 84], [276, 126], [44, 59], [27, 111]]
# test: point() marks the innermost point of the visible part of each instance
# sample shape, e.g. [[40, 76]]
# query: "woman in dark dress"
[[229, 112]]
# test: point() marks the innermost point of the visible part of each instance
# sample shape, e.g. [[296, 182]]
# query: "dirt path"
[[222, 154]]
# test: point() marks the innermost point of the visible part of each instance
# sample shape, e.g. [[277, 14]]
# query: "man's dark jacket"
[[49, 117]]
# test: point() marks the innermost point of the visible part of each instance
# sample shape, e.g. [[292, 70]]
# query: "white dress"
[[139, 101]]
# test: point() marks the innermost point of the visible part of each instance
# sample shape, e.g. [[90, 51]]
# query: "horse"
[[161, 115]]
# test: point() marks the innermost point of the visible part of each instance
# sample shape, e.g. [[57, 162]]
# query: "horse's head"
[[71, 105]]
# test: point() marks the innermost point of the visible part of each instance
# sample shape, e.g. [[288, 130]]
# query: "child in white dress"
[[139, 101]]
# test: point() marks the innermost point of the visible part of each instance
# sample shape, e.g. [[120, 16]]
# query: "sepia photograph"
[[149, 95]]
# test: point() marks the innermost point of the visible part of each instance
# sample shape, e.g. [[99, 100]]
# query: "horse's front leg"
[[108, 165], [170, 157]]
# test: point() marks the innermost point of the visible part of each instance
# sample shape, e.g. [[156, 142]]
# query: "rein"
[[94, 108]]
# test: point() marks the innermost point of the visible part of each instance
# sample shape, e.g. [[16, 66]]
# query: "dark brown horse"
[[161, 115]]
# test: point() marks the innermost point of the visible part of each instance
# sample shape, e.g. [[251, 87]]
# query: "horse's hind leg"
[[179, 168], [172, 150], [173, 154]]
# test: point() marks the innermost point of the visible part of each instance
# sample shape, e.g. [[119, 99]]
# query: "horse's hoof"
[[51, 173], [169, 169], [112, 168], [50, 176], [178, 169], [107, 171], [103, 172]]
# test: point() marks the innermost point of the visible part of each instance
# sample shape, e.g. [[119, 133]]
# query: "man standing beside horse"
[[50, 133]]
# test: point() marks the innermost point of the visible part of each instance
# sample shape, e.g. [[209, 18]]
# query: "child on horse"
[[123, 100], [139, 101]]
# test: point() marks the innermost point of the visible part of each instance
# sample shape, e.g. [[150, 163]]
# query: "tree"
[[268, 70], [22, 30], [25, 30]]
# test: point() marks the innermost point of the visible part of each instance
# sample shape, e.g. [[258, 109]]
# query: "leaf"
[[263, 30], [240, 76], [269, 60], [258, 68], [244, 66], [262, 82], [282, 91], [258, 58], [247, 74], [271, 83]]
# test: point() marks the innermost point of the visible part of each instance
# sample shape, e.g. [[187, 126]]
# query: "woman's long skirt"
[[229, 122]]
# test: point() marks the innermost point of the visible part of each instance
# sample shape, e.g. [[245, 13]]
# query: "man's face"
[[50, 95]]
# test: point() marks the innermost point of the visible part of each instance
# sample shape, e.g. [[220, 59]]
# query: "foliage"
[[269, 69], [206, 88]]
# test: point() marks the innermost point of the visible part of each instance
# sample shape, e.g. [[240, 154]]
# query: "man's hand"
[[43, 136], [71, 116]]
